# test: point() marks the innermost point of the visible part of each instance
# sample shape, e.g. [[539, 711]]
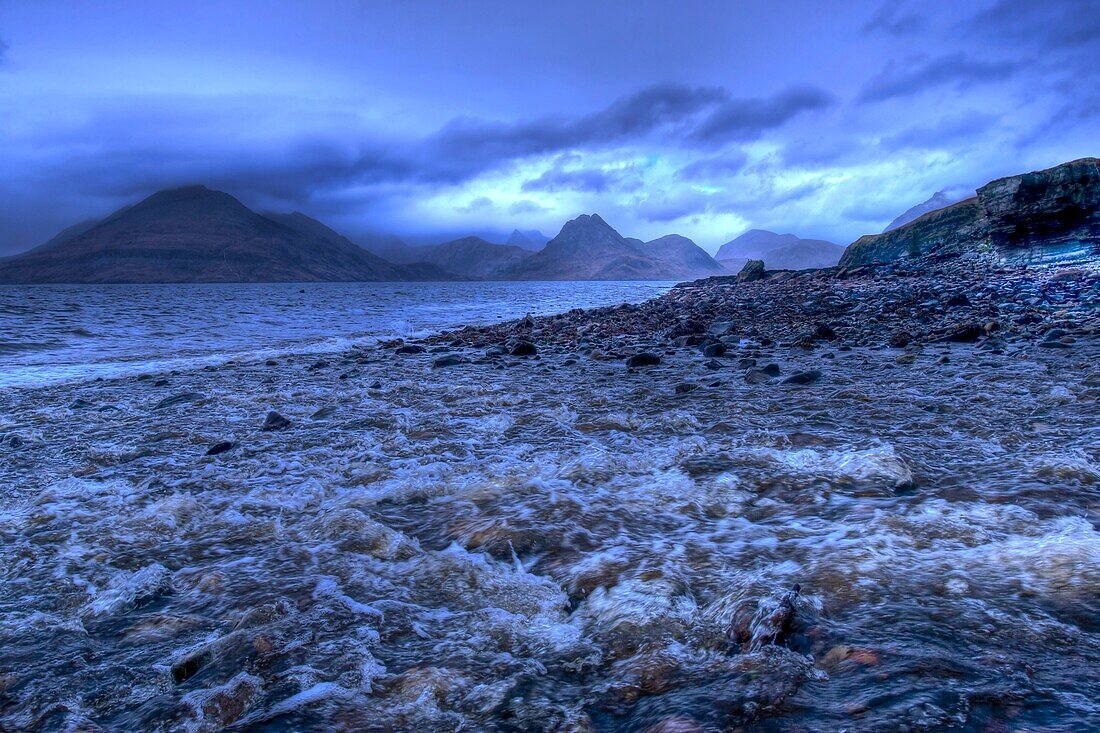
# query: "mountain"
[[682, 257], [938, 201], [470, 257], [531, 239], [1050, 215], [588, 248], [778, 251], [194, 234]]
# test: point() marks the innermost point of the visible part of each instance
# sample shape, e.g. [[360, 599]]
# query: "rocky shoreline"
[[972, 299]]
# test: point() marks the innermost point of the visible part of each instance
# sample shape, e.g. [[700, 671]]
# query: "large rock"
[[1045, 215], [753, 270]]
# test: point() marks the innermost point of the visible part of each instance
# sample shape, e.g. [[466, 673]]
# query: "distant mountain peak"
[[938, 200]]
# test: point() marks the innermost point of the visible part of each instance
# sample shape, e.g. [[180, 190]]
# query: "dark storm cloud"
[[132, 150], [951, 70], [1065, 25], [747, 119]]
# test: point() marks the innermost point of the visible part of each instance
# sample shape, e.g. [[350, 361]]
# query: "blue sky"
[[432, 119]]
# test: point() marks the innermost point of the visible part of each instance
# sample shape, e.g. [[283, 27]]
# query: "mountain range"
[[778, 251], [195, 234]]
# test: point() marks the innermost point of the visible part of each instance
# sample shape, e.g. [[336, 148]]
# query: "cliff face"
[[1046, 214]]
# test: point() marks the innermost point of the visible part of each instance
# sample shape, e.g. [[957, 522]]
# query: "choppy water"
[[51, 333], [557, 544]]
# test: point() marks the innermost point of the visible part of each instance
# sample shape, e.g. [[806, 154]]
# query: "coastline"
[[558, 538]]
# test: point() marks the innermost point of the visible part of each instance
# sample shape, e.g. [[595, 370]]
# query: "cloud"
[[747, 119], [714, 167], [944, 133], [3, 52], [955, 70], [890, 20], [1062, 25], [479, 204], [527, 206], [585, 179]]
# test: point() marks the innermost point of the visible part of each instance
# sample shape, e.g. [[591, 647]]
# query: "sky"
[[436, 119]]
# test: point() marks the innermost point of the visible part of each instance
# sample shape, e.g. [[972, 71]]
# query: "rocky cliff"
[[1034, 217]]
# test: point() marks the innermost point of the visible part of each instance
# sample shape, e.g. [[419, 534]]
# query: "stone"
[[751, 272], [410, 349], [712, 350], [449, 360], [685, 387], [644, 358], [179, 399], [275, 421], [803, 378], [524, 348], [219, 448]]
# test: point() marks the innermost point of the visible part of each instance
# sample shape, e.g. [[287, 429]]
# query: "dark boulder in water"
[[965, 334], [179, 399], [807, 377], [411, 349], [275, 421], [449, 360], [643, 359], [524, 348], [219, 448]]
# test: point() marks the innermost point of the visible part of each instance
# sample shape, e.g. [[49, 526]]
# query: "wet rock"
[[685, 387], [712, 364], [323, 413], [80, 404], [275, 421], [757, 376], [219, 448], [899, 339], [958, 300], [713, 350], [772, 370], [802, 378], [824, 332], [410, 349], [179, 399], [524, 348], [271, 362], [965, 334], [721, 328], [645, 358], [319, 364], [449, 360]]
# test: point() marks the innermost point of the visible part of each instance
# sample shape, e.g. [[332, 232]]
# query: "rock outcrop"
[[1047, 215]]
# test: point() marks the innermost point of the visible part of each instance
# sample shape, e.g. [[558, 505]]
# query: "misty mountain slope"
[[470, 257], [195, 234], [778, 251], [588, 248], [683, 257], [531, 239], [938, 200]]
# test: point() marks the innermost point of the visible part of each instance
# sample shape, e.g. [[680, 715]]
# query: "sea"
[[64, 333]]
